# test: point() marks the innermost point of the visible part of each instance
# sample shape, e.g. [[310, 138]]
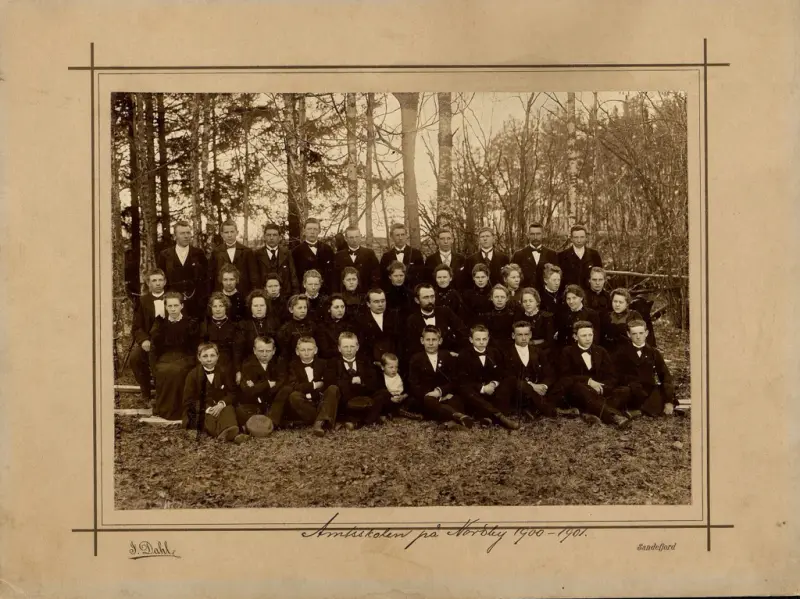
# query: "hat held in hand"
[[259, 425]]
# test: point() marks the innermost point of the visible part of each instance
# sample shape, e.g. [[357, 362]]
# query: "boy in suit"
[[452, 329], [275, 258], [432, 377], [310, 395], [232, 253], [457, 262], [361, 258], [312, 254], [534, 256], [577, 260], [149, 307], [401, 252], [357, 380], [588, 379], [484, 386], [229, 280], [263, 379], [488, 255], [208, 397], [597, 298], [186, 270], [642, 369]]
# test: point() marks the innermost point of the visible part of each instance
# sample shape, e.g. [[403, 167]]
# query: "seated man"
[[310, 397], [433, 376], [378, 329], [589, 380], [208, 397], [454, 333], [149, 307], [483, 384], [642, 369], [263, 377], [532, 375], [357, 380]]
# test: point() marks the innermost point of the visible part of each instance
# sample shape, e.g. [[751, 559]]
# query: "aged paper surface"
[[744, 478]]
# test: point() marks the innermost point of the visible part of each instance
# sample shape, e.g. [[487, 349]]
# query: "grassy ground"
[[405, 463]]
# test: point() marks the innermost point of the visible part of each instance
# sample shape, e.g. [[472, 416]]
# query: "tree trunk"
[[117, 248], [303, 161], [594, 177], [246, 180], [163, 172], [133, 163], [215, 195], [408, 117], [444, 182], [383, 198], [146, 182], [352, 160], [572, 157], [293, 165], [368, 170], [206, 188], [197, 204]]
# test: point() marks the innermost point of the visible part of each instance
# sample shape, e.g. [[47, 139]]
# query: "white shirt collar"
[[180, 317], [639, 346], [433, 359], [579, 252]]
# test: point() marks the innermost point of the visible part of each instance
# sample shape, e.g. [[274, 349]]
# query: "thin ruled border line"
[[707, 302], [94, 291], [340, 67]]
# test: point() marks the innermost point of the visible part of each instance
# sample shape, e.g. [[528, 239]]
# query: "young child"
[[229, 279], [614, 325], [432, 376], [360, 404], [589, 380], [478, 298], [395, 399], [572, 312], [542, 325], [552, 299], [263, 322], [643, 370], [312, 283], [311, 397], [597, 298], [353, 298], [208, 397], [263, 377], [149, 308], [399, 298], [512, 280], [300, 325], [219, 329], [277, 301], [501, 318], [446, 295], [483, 384], [175, 340]]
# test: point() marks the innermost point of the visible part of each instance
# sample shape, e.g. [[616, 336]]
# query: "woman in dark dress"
[[399, 298], [446, 295], [353, 296], [335, 322], [500, 318], [571, 312], [478, 298], [512, 279], [220, 329], [175, 340], [262, 322], [552, 297], [614, 325], [542, 324]]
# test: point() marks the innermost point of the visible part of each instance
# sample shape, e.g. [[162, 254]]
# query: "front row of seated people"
[[482, 383]]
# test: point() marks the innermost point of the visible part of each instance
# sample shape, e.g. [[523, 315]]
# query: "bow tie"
[[312, 245], [586, 351], [539, 249]]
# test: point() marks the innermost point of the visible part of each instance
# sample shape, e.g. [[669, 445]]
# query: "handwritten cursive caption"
[[492, 533], [144, 549]]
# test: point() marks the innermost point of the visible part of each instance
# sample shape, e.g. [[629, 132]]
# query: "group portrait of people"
[[247, 341]]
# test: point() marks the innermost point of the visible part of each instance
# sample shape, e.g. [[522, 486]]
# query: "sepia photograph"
[[400, 299]]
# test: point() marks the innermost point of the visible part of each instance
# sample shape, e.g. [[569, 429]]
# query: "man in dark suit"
[[433, 377], [404, 253], [311, 396], [263, 377], [230, 251], [149, 307], [483, 384], [312, 254], [186, 270], [642, 369], [379, 329], [357, 380], [274, 257], [454, 332], [533, 257], [445, 255], [489, 255], [361, 258], [589, 379], [208, 397], [576, 261], [533, 376]]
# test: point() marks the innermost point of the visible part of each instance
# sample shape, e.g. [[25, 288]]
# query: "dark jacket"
[[343, 379], [189, 278], [415, 266], [533, 272], [537, 371], [282, 264], [572, 368], [473, 374], [462, 277], [182, 336], [423, 379], [374, 341], [298, 381], [243, 260], [643, 374], [144, 317], [366, 263], [454, 332], [304, 259], [498, 261], [199, 394], [261, 392], [576, 270]]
